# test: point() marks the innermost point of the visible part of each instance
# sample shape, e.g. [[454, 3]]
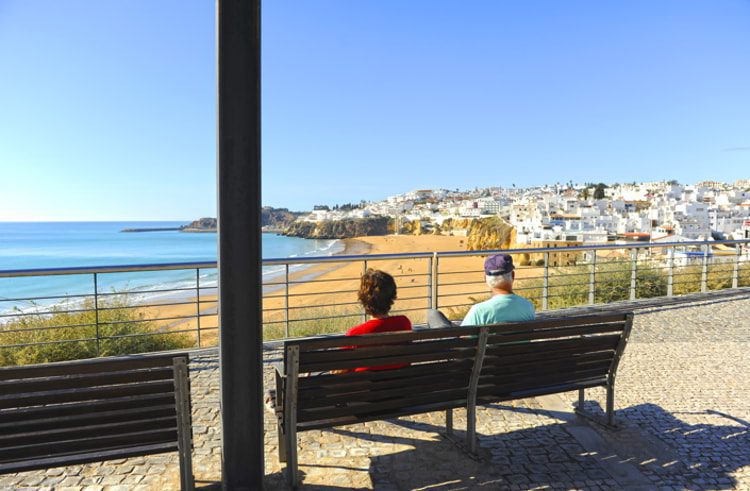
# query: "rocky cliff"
[[490, 233], [278, 218], [200, 225], [481, 233], [339, 229]]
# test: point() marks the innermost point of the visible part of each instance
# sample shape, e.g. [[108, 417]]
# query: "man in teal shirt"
[[503, 306]]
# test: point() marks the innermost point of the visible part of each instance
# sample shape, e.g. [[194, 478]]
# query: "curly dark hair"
[[377, 291]]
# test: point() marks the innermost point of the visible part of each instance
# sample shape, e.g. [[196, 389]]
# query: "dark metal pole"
[[238, 28]]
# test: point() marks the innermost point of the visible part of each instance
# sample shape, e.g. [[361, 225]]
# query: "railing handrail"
[[354, 257], [12, 273]]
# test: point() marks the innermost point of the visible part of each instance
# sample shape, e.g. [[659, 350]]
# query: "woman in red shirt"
[[377, 292]]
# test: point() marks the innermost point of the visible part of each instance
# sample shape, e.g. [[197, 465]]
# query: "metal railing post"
[[670, 271], [96, 312], [364, 269], [434, 279], [633, 272], [736, 270], [286, 300], [545, 287], [198, 304], [430, 303], [704, 269], [592, 280]]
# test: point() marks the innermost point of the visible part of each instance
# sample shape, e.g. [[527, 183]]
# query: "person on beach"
[[377, 292], [503, 306]]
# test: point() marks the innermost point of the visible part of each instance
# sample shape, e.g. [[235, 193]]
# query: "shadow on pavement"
[[666, 449]]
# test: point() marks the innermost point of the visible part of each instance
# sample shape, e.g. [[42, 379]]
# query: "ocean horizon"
[[48, 245]]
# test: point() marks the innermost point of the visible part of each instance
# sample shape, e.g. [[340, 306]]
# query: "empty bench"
[[70, 413], [447, 368]]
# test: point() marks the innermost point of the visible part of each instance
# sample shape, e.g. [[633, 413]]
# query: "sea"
[[37, 245]]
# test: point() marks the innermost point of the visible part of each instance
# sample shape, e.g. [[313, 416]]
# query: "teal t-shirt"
[[500, 308]]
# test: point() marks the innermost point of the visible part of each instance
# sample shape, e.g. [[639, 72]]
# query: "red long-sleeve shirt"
[[388, 324]]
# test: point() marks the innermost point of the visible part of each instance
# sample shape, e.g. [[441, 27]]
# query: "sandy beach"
[[322, 298]]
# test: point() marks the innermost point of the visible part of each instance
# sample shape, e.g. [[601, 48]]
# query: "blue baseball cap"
[[498, 264]]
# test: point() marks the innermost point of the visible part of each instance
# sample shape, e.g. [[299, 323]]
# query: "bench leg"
[[581, 398], [609, 422], [611, 404], [449, 422], [471, 428], [184, 428], [291, 454], [281, 440]]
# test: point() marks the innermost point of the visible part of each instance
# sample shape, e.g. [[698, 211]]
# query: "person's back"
[[500, 308], [377, 293], [503, 306]]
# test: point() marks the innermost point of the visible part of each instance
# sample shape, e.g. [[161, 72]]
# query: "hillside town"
[[575, 214]]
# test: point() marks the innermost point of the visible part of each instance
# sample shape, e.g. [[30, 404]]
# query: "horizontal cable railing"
[[65, 313]]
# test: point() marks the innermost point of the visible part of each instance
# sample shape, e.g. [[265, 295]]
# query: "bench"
[[69, 413], [448, 368]]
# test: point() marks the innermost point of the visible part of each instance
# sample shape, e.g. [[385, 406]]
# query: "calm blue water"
[[71, 244]]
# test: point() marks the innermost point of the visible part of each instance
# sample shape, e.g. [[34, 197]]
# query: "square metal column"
[[239, 202]]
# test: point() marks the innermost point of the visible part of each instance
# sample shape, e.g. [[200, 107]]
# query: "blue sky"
[[107, 108]]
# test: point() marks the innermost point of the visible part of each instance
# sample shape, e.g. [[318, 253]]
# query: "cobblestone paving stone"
[[682, 400]]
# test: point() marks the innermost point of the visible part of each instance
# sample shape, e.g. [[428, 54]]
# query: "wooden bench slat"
[[96, 365], [375, 375], [85, 458], [532, 376], [78, 407], [336, 364], [539, 391], [87, 418], [85, 394], [593, 343], [532, 358], [412, 400], [42, 450], [553, 334], [388, 350], [19, 438], [554, 363], [503, 363], [412, 381], [84, 380], [382, 338], [553, 323], [397, 413], [502, 385], [371, 396]]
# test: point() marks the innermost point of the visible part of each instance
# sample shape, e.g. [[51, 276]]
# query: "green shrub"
[[123, 329], [312, 321]]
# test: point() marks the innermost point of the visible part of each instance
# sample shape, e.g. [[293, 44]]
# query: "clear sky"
[[107, 108]]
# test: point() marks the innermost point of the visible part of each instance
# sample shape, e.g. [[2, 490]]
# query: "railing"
[[108, 310]]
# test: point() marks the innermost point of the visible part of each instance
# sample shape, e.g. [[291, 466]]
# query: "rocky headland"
[[339, 229]]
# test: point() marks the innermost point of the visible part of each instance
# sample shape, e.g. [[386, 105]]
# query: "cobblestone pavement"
[[682, 400]]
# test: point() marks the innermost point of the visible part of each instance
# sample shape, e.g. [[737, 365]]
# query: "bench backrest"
[[85, 411], [448, 367], [440, 363], [552, 355]]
